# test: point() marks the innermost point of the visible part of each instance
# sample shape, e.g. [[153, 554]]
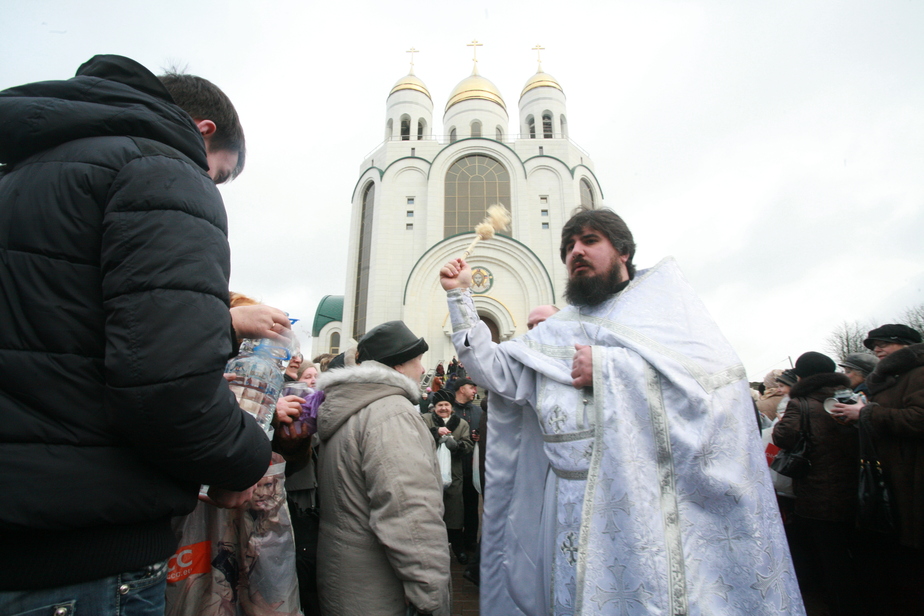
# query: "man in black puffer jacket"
[[114, 329]]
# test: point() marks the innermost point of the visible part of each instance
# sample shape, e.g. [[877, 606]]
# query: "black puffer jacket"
[[114, 328]]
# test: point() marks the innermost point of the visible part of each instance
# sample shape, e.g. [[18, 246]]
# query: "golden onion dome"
[[411, 82], [475, 87], [540, 80]]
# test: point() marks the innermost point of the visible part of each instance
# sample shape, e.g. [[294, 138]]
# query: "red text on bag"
[[189, 559]]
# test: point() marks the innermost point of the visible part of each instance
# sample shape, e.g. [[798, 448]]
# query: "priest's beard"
[[593, 290]]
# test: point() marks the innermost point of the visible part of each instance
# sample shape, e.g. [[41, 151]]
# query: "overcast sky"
[[776, 149]]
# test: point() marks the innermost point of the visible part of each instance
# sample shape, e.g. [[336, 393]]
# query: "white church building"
[[420, 194]]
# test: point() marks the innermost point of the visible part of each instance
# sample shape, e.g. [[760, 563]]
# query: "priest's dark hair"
[[606, 222], [203, 100]]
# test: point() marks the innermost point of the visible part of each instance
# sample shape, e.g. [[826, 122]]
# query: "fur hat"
[[812, 363], [893, 332], [391, 343], [861, 362], [441, 396]]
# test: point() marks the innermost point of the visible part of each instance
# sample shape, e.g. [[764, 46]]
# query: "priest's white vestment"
[[646, 494]]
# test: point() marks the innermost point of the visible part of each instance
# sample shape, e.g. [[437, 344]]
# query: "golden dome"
[[540, 80], [475, 87], [411, 82]]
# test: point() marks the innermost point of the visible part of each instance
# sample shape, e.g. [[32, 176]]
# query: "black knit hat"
[[788, 377], [391, 343], [893, 332], [441, 396], [812, 363]]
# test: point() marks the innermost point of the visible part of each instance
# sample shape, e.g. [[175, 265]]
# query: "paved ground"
[[464, 593]]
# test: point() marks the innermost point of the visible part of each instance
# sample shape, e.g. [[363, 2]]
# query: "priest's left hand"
[[582, 369]]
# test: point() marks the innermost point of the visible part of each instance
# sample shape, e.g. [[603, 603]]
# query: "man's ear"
[[206, 127]]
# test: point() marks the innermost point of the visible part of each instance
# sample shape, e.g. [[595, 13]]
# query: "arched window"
[[564, 127], [452, 135], [500, 133], [476, 129], [389, 129], [420, 129], [547, 125], [362, 266], [405, 128], [587, 194], [472, 184], [531, 126], [335, 343]]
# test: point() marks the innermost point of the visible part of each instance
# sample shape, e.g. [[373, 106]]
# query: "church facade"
[[420, 194]]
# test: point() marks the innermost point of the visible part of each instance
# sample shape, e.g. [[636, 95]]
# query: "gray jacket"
[[382, 534]]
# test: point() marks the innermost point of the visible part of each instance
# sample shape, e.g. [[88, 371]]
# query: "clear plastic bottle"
[[258, 380]]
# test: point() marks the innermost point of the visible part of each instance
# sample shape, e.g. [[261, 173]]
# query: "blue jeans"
[[139, 593]]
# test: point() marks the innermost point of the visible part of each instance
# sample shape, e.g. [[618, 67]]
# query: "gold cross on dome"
[[412, 51], [539, 49], [474, 45]]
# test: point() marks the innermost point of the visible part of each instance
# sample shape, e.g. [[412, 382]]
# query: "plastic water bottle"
[[258, 381]]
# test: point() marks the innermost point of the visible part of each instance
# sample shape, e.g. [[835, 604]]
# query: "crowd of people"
[[624, 473]]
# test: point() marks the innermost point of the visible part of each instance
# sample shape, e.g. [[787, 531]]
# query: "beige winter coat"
[[382, 534]]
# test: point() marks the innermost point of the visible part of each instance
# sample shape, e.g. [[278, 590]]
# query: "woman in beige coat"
[[382, 543]]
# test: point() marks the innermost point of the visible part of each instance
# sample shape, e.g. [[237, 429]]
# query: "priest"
[[631, 413]]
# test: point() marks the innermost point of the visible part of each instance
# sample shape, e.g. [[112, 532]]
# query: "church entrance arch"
[[492, 325]]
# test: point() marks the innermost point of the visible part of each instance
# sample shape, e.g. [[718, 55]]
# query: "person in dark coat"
[[453, 431], [825, 503], [895, 417], [114, 265]]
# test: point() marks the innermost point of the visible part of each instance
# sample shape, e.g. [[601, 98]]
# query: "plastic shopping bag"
[[445, 459], [236, 562], [781, 483]]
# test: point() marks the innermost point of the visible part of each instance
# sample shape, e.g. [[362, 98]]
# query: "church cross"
[[474, 45], [539, 49], [412, 51]]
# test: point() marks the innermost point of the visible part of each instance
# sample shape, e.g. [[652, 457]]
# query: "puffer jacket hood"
[[110, 96], [351, 389]]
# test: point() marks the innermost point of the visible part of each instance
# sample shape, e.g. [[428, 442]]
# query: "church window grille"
[[544, 213], [587, 194], [531, 126], [363, 262], [410, 213], [452, 135], [545, 225], [405, 129], [410, 200], [546, 125], [472, 184], [420, 130], [476, 129], [335, 343]]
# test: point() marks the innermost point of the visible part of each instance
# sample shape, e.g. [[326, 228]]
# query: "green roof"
[[329, 310]]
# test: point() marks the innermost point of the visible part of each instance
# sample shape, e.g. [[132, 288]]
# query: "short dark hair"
[[606, 222], [203, 100]]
